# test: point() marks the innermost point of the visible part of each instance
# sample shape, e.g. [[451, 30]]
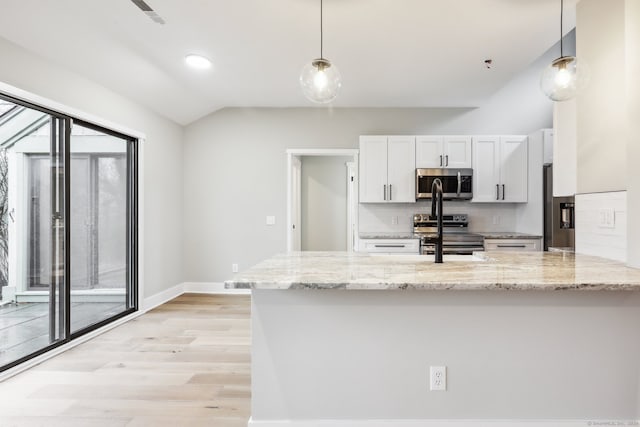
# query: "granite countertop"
[[388, 235], [508, 235], [492, 271]]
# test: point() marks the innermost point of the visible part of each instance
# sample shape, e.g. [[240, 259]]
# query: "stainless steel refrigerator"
[[559, 215]]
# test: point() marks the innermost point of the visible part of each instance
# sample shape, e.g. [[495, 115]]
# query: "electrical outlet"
[[394, 220], [271, 220], [438, 375], [234, 268], [496, 219], [606, 218]]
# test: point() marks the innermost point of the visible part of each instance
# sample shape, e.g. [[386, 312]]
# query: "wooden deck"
[[24, 327], [186, 363]]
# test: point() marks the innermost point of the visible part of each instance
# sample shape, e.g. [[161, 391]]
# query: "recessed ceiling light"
[[197, 61]]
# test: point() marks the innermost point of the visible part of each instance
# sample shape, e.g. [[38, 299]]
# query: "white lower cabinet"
[[512, 245], [390, 246]]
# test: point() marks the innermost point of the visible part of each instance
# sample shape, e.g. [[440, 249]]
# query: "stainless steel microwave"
[[456, 183]]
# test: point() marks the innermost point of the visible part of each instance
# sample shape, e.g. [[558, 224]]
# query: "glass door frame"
[[60, 294]]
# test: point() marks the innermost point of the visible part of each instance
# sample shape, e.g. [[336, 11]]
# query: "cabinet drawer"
[[411, 246], [512, 244]]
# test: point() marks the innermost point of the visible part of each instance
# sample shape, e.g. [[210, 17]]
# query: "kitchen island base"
[[355, 358]]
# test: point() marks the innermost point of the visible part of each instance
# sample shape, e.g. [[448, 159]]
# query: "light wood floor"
[[186, 364]]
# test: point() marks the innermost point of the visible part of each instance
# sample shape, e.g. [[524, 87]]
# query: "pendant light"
[[320, 79], [563, 78]]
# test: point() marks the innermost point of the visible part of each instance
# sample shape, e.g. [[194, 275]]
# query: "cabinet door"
[[512, 245], [486, 168], [373, 169], [429, 152], [457, 152], [401, 169], [514, 169]]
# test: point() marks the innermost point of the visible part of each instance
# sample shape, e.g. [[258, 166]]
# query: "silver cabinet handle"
[[497, 191], [390, 192], [390, 246], [512, 246], [384, 192], [447, 160], [440, 159], [502, 191], [459, 183]]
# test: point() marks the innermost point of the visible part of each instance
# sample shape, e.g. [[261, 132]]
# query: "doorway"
[[322, 199]]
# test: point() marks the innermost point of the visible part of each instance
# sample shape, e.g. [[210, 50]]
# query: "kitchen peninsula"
[[349, 338]]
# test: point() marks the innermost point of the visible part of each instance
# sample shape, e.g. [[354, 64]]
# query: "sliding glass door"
[[99, 288], [68, 235]]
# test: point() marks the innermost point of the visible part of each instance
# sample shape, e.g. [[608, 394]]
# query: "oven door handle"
[[459, 183]]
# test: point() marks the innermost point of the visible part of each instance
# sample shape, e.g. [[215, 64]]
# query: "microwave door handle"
[[459, 183]]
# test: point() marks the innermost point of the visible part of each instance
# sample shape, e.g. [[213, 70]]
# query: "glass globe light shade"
[[320, 81], [563, 78]]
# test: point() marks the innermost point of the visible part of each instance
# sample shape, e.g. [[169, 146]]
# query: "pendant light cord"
[[561, 33], [321, 35]]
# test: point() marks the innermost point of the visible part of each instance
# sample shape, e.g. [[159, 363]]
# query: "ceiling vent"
[[148, 11]]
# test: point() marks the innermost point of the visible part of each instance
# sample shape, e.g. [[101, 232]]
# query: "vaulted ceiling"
[[391, 53]]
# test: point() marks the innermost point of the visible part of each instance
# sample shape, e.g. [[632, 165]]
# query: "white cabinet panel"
[[514, 169], [387, 169], [373, 169], [500, 169], [512, 245], [436, 151], [486, 169], [457, 152], [390, 246], [401, 169], [429, 152]]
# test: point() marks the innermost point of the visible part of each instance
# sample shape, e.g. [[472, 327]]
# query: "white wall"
[[324, 203], [162, 153], [632, 25], [378, 217], [601, 106], [608, 39], [565, 137], [594, 239], [235, 163]]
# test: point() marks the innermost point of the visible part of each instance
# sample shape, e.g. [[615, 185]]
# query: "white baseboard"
[[161, 297], [436, 423], [212, 288]]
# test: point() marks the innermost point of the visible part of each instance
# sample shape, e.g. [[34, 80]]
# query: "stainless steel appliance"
[[559, 216], [456, 183], [456, 239]]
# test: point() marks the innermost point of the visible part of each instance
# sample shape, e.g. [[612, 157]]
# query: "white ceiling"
[[391, 53]]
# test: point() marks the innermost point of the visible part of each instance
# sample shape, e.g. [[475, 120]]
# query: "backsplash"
[[595, 238], [379, 217]]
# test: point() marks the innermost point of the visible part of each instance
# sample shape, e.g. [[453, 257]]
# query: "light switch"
[[271, 220]]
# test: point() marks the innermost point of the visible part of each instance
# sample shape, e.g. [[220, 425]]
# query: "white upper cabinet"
[[486, 168], [429, 152], [514, 173], [443, 151], [387, 169], [500, 169]]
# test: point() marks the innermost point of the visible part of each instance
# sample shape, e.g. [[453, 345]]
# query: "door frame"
[[294, 154]]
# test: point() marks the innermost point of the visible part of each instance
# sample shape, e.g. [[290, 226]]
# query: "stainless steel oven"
[[456, 239], [456, 183]]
